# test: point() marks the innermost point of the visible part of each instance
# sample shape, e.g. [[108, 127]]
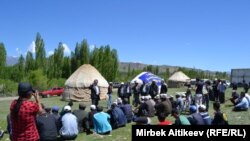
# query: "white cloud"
[[91, 47], [67, 51], [17, 49], [50, 53], [32, 47]]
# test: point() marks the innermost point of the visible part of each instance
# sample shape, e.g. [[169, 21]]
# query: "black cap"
[[25, 89], [82, 106]]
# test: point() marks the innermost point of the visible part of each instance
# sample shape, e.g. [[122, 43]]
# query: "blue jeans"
[[109, 101]]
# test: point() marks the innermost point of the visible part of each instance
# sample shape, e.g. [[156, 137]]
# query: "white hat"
[[122, 83], [149, 97], [164, 96], [67, 108], [119, 100], [146, 98], [157, 97], [203, 107], [93, 107]]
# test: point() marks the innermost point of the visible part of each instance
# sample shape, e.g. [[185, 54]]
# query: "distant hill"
[[10, 60], [123, 66]]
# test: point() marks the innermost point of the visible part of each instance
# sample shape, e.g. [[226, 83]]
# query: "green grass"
[[124, 134]]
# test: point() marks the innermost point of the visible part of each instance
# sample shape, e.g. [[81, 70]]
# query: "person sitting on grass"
[[162, 119], [179, 119], [69, 126], [91, 116], [243, 105], [204, 114], [220, 118], [101, 122], [195, 118], [142, 120], [234, 97], [118, 119], [127, 110]]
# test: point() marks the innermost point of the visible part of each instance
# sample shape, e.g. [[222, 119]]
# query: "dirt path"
[[7, 98]]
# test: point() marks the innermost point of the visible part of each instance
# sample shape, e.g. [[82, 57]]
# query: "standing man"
[[128, 92], [136, 91], [110, 91], [95, 92], [164, 87], [144, 89], [245, 86], [153, 90]]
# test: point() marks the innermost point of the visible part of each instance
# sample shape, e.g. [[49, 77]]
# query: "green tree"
[[29, 62], [2, 55], [21, 67], [38, 80], [84, 52], [58, 61], [40, 53], [66, 67]]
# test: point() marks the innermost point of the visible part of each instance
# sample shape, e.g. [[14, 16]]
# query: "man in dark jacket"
[[165, 106], [95, 92], [164, 87], [127, 110], [144, 89], [82, 118], [118, 119], [153, 90], [47, 127]]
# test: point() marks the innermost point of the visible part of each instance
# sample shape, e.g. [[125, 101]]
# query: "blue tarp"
[[148, 78]]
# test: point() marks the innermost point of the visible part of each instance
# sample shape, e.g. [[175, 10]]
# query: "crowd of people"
[[33, 121]]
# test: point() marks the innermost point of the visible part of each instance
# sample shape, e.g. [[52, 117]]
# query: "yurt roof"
[[179, 77], [84, 76]]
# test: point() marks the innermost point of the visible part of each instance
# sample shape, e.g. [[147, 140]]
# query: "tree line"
[[44, 72]]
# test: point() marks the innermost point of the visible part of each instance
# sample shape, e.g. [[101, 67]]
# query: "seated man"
[[69, 130], [179, 119], [243, 105], [101, 122], [162, 119], [234, 97], [195, 118], [118, 119], [127, 110]]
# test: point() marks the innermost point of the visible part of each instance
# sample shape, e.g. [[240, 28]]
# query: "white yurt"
[[77, 85], [178, 79]]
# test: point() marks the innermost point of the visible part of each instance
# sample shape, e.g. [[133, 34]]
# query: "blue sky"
[[206, 34]]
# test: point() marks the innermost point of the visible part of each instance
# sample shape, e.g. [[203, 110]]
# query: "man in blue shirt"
[[243, 105], [101, 122]]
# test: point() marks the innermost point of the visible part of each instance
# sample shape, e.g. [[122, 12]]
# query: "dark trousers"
[[136, 100], [65, 138], [238, 109], [206, 101], [222, 97], [95, 102]]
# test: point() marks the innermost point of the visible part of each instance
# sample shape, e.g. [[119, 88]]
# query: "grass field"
[[124, 134]]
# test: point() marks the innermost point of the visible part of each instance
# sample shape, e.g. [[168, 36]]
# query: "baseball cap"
[[55, 108], [25, 88], [67, 108], [192, 108]]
